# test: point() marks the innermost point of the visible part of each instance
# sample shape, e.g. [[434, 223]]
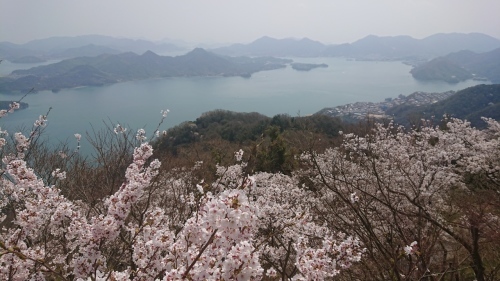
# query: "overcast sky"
[[229, 21]]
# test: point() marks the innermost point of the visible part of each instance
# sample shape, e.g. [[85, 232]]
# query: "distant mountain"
[[267, 46], [10, 51], [405, 47], [369, 48], [28, 59], [445, 43], [461, 66], [87, 45], [471, 104], [58, 44], [90, 50], [105, 69], [378, 48]]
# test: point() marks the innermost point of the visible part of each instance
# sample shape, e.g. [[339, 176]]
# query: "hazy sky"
[[225, 21]]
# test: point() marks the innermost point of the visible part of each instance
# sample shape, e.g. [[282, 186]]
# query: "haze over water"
[[137, 104]]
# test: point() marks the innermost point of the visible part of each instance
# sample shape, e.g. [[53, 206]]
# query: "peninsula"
[[461, 66]]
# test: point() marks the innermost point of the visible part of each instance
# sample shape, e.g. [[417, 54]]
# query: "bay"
[[137, 104]]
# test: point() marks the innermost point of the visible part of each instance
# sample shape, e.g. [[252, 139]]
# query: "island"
[[113, 68], [5, 105], [307, 66]]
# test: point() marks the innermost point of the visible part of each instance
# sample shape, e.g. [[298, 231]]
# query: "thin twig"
[[199, 254]]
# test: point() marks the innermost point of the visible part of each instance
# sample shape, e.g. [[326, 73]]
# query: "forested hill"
[[471, 104], [106, 69], [275, 143], [461, 66]]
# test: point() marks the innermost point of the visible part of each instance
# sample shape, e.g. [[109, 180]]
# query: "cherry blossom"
[[385, 198]]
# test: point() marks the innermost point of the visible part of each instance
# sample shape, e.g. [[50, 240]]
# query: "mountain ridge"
[[74, 46], [371, 47]]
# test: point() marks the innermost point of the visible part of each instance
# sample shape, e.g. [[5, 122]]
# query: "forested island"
[[307, 66], [107, 69]]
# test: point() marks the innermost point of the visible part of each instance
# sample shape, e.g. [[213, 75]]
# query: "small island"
[[6, 105], [307, 66]]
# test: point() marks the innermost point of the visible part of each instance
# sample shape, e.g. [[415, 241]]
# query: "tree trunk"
[[477, 262]]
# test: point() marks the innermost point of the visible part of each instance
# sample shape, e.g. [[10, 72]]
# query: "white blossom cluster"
[[398, 189], [228, 230]]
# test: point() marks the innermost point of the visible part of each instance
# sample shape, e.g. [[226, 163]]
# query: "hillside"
[[442, 69], [471, 104], [245, 127], [461, 66], [106, 69]]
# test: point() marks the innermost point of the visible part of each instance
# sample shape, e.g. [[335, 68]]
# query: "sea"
[[138, 104]]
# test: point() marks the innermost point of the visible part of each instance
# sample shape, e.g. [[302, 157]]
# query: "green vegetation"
[[441, 69], [273, 142]]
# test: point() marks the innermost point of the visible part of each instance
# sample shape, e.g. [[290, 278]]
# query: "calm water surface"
[[137, 104]]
